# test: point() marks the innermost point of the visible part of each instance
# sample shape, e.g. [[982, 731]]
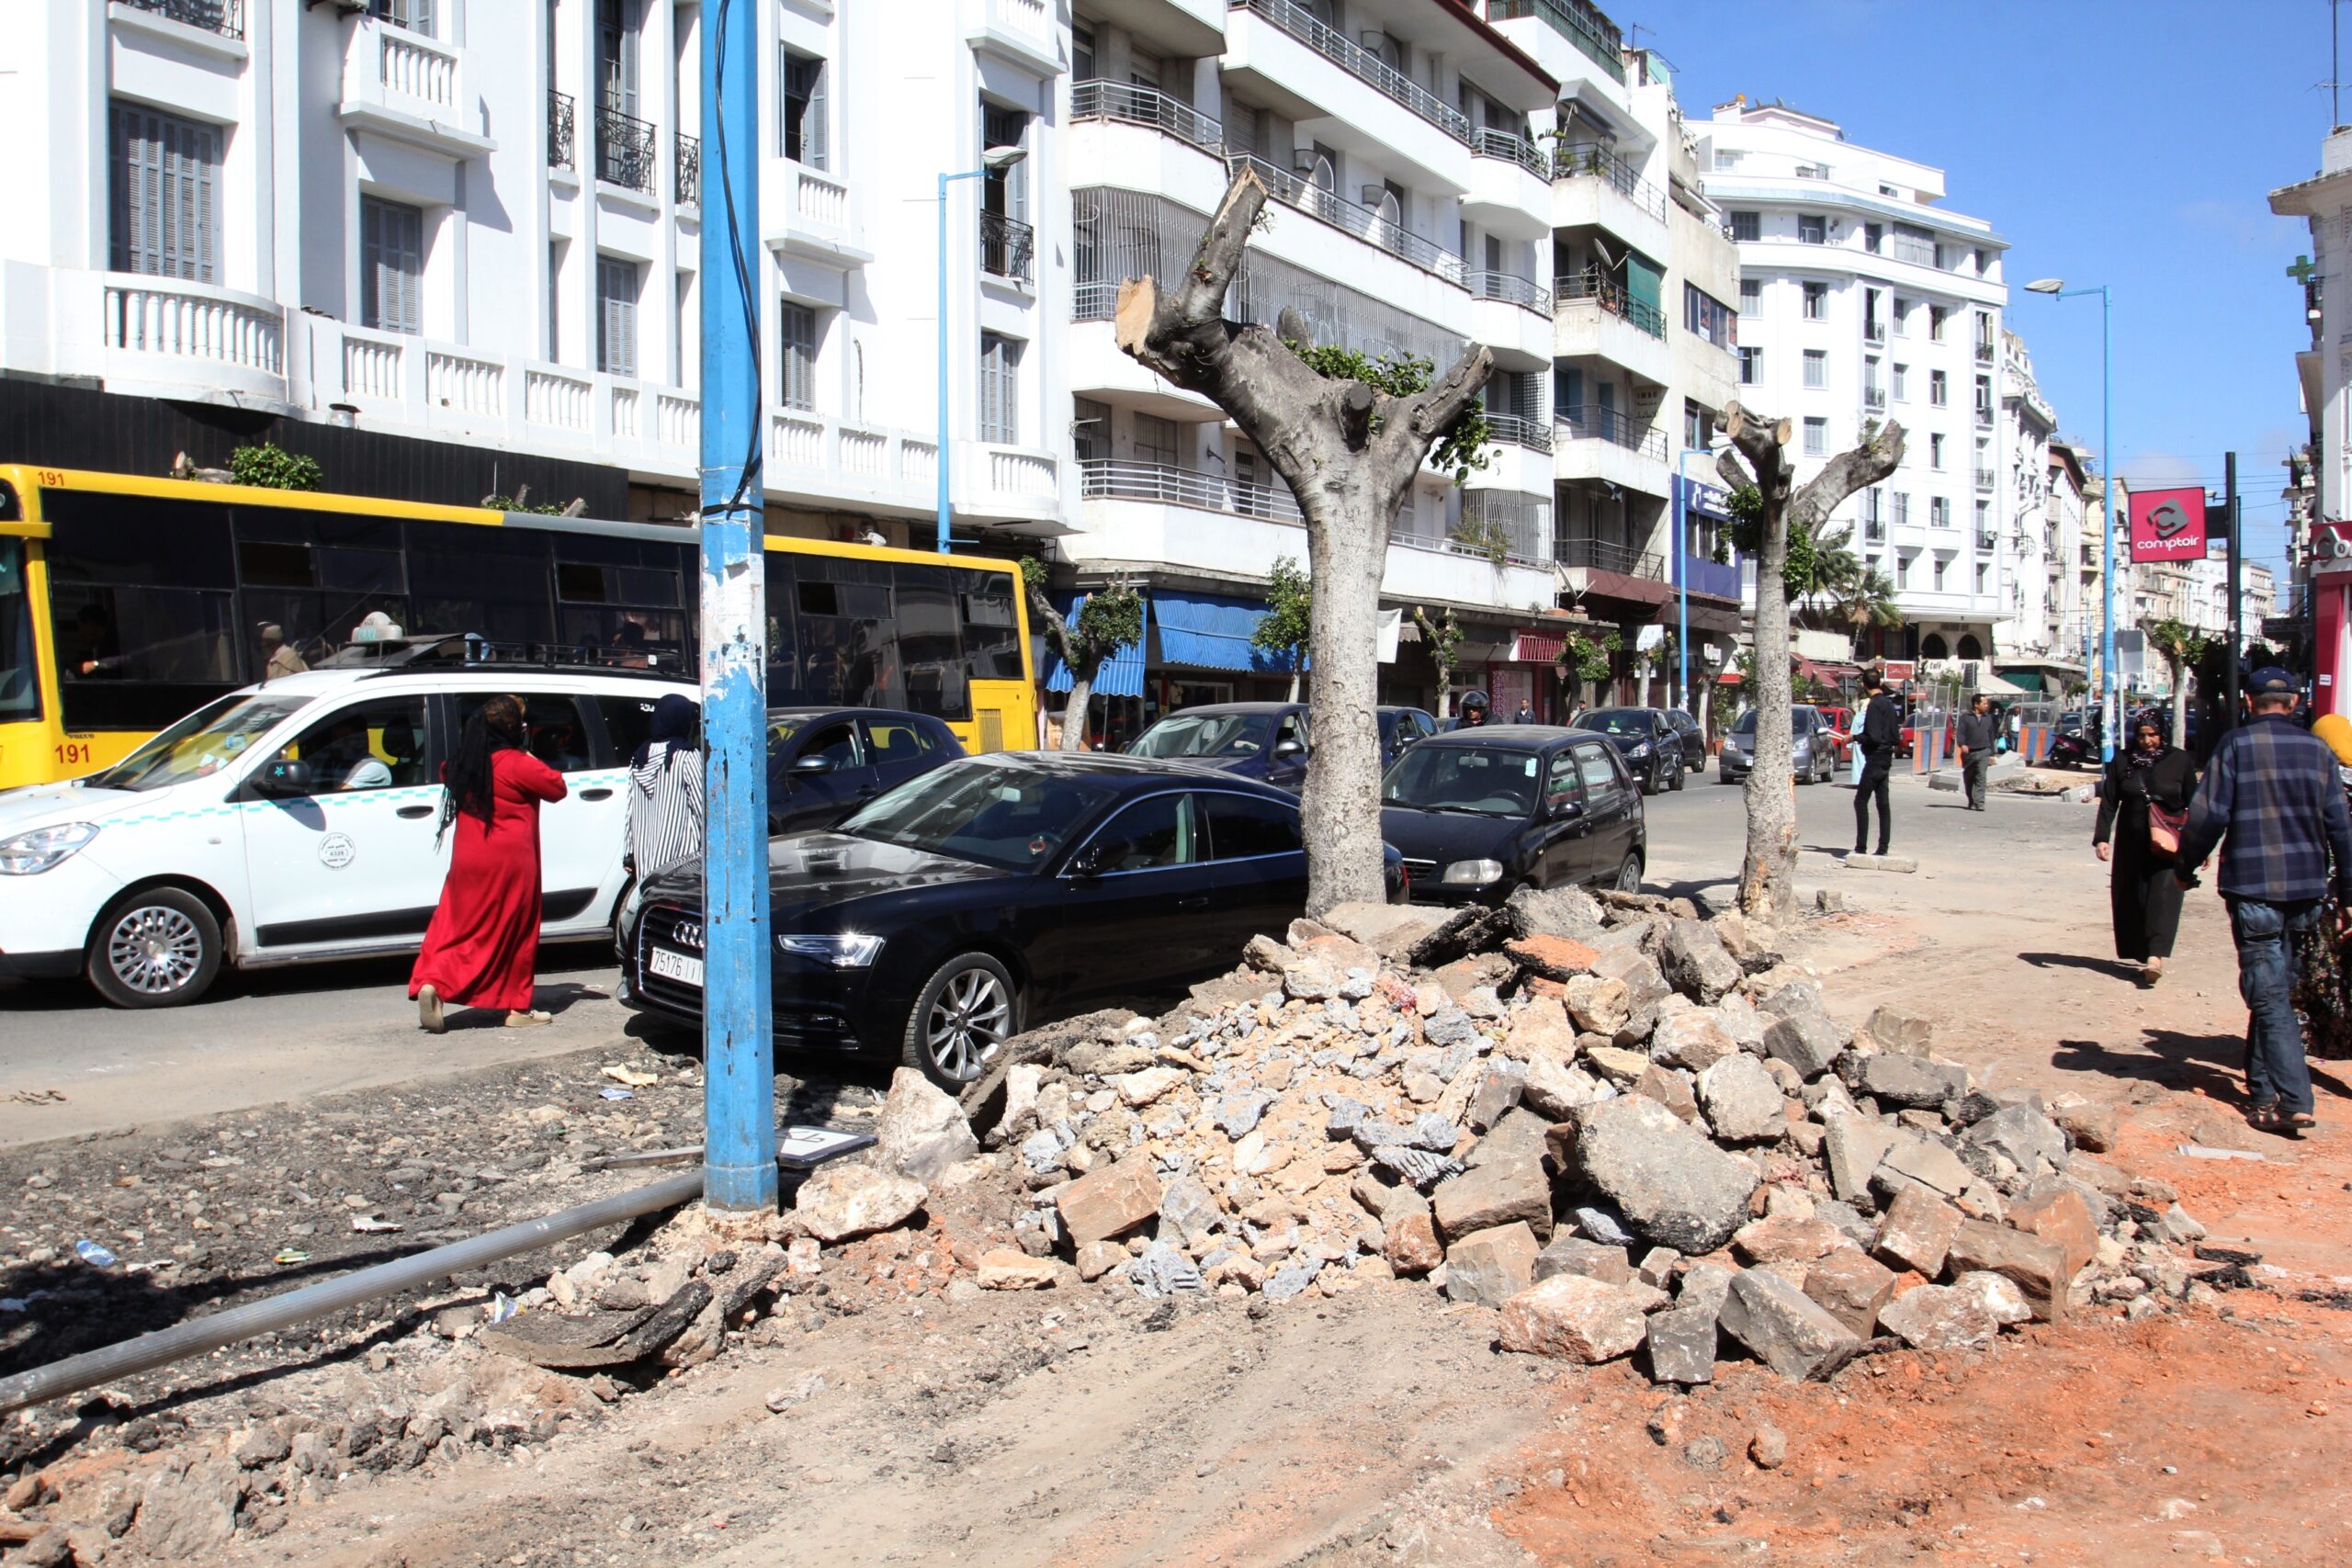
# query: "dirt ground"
[[1095, 1428]]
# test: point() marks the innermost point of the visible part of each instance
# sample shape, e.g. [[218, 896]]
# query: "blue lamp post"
[[992, 161], [2109, 691]]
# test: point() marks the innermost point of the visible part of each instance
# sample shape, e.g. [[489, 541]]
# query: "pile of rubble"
[[1623, 1127]]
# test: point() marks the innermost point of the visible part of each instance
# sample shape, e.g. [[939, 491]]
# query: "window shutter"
[[617, 316], [163, 190], [813, 146]]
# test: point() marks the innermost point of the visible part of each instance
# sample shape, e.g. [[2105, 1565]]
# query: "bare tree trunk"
[[1079, 712], [2179, 703], [1645, 685], [1293, 678]]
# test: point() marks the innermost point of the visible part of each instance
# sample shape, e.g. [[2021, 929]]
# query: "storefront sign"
[[2331, 547], [2167, 524]]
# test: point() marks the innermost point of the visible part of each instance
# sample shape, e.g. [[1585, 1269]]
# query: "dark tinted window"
[[491, 581], [628, 721], [1241, 826], [898, 740], [836, 742], [991, 629], [1161, 831], [1605, 786], [930, 641], [624, 601], [142, 609], [558, 733]]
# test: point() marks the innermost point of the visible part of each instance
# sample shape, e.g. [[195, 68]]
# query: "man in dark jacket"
[[1881, 736], [1979, 731], [2271, 801]]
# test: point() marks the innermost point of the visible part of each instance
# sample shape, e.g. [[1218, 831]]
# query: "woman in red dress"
[[482, 947]]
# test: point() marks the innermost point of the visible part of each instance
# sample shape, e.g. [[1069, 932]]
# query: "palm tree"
[[1865, 598], [1815, 593]]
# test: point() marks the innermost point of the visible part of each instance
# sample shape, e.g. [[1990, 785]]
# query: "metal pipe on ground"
[[164, 1347]]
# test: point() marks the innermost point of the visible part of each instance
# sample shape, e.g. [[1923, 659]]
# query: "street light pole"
[[2110, 703], [993, 160]]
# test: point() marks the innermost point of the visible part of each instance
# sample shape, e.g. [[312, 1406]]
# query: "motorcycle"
[[2076, 750]]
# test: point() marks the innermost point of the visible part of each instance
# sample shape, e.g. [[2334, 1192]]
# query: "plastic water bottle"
[[91, 1253]]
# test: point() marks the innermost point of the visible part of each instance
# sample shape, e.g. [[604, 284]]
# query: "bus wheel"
[[156, 948]]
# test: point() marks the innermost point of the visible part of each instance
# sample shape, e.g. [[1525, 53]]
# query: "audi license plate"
[[675, 966]]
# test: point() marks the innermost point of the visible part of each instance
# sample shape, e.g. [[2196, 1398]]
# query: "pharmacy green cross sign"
[[2303, 269]]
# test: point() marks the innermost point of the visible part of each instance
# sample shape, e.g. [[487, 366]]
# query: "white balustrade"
[[798, 441], [625, 412], [866, 453], [820, 200], [462, 382], [1021, 473], [554, 399], [918, 462], [416, 68], [677, 420], [371, 365], [1030, 17], [157, 315]]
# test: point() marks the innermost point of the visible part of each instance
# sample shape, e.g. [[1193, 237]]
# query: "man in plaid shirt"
[[2272, 802]]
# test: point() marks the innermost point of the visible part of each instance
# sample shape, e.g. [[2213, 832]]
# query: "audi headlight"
[[840, 951], [30, 855], [1472, 872]]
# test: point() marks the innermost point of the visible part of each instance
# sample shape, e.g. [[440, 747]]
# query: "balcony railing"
[[1582, 26], [1106, 479], [1590, 160], [1875, 399], [1984, 539], [1512, 289], [1983, 354], [1984, 416], [1607, 555], [1874, 333], [688, 162], [1873, 531], [560, 152], [1597, 423], [1360, 63], [1513, 150], [1148, 107], [1595, 286], [625, 150], [1984, 480], [226, 18], [1299, 191], [1008, 246], [1517, 430]]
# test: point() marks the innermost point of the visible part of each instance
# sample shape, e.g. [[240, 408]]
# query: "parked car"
[[299, 821], [1656, 750], [1264, 741], [824, 763], [1812, 752], [1480, 813], [1840, 721], [991, 895]]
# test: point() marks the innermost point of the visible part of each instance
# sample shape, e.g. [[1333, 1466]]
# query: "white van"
[[149, 875]]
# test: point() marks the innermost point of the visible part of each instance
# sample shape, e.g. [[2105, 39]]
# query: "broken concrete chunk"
[[2036, 1266], [1939, 1317], [2057, 1213], [2023, 1136], [1574, 1317], [1673, 1186], [1111, 1200], [922, 1131], [1495, 1194], [1490, 1266], [1695, 962], [1682, 1345], [1918, 1231], [1891, 1079], [1743, 1103], [840, 1202], [1852, 1288], [1805, 1040], [1784, 1328], [1896, 1029], [1576, 1255], [1854, 1145], [1694, 1039]]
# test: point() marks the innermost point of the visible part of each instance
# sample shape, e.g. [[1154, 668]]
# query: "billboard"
[[2167, 524]]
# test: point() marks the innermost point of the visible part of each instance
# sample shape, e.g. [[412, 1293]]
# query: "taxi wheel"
[[156, 948]]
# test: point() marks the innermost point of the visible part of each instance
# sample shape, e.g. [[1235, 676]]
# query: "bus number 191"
[[72, 751]]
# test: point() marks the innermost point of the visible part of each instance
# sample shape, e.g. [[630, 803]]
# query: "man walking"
[[1979, 731], [1882, 733], [2271, 802]]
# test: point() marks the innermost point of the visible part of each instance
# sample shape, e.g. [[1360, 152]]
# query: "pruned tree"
[[1108, 620], [1586, 658], [1770, 508], [1289, 619], [1348, 449], [1444, 639], [2183, 650]]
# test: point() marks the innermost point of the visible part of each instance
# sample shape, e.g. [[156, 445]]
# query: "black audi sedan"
[[824, 763], [1478, 814], [991, 895], [1265, 740]]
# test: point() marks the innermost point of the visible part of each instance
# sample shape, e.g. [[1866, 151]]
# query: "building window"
[[1937, 316], [1936, 453], [804, 109], [1817, 367], [1902, 383], [1090, 430], [1155, 441], [1817, 301], [1984, 399], [164, 194], [796, 327], [1709, 317], [1751, 367], [1939, 389], [1902, 509], [1695, 425], [1816, 438], [1873, 237], [1902, 314], [617, 290], [1000, 389], [1903, 568], [616, 56], [1813, 228], [1940, 564], [1984, 264], [416, 16], [392, 265], [1751, 295], [1873, 324], [1747, 225], [1939, 511]]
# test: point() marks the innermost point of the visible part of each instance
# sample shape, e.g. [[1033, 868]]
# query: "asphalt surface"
[[282, 1035]]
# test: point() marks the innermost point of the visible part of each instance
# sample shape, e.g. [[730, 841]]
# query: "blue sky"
[[2132, 145]]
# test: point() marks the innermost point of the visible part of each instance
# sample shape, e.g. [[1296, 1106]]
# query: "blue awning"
[[1213, 633], [1122, 674]]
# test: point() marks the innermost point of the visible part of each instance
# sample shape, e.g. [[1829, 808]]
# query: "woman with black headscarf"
[[2142, 806], [665, 809], [482, 946]]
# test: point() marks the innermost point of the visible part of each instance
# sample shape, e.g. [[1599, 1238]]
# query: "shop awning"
[[1122, 674], [1209, 632]]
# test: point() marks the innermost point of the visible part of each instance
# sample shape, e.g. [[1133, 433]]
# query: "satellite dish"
[[1601, 249]]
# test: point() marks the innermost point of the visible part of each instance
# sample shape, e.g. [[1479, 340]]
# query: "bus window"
[[992, 648], [316, 576], [930, 643], [19, 682], [494, 581], [141, 607]]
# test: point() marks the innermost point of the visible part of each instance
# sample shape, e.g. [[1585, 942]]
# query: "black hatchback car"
[[1661, 746], [993, 894], [824, 763], [1480, 813], [1265, 740]]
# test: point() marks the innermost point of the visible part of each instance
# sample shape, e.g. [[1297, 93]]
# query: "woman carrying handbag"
[[2143, 806]]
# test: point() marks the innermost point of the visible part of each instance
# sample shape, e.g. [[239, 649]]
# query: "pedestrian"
[[2142, 806], [481, 947], [2272, 803], [1526, 715], [664, 825], [1881, 735], [278, 659], [1979, 732]]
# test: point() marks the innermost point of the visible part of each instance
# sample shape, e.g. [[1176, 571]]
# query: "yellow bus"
[[127, 602]]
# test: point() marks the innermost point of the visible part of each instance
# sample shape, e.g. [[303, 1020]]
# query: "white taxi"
[[195, 850]]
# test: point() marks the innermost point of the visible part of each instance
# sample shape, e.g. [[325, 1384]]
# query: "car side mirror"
[[283, 777], [815, 762], [1287, 749], [1566, 810], [1404, 741]]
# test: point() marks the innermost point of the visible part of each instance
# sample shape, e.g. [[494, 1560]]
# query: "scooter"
[[2074, 749]]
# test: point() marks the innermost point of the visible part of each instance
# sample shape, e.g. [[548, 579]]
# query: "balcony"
[[1591, 287], [1873, 530], [625, 151], [1984, 416], [1509, 194], [1590, 160], [1597, 423], [1517, 430], [1360, 63], [1874, 333], [1985, 481], [1511, 288], [1986, 540], [226, 18], [1363, 222], [1602, 445], [809, 212], [169, 338], [687, 163], [1021, 32], [1008, 247], [1122, 103], [410, 88], [1103, 478], [561, 151], [1606, 554], [1509, 149], [1983, 354], [1593, 34], [1714, 579]]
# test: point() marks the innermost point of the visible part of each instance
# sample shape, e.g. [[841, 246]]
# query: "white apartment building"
[[2073, 559], [2041, 544], [1861, 299]]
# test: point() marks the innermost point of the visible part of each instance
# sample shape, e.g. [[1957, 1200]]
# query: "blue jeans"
[[2276, 1071]]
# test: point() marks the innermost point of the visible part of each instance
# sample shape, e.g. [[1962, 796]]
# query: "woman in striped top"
[[665, 808]]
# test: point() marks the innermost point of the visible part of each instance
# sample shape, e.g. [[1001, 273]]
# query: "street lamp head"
[[2045, 286], [1003, 157]]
